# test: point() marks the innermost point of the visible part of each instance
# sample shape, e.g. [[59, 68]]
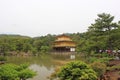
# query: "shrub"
[[99, 68], [15, 72], [25, 74], [76, 70], [92, 59], [105, 60], [101, 60]]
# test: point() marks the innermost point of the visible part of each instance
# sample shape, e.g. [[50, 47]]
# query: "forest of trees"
[[103, 34], [17, 43]]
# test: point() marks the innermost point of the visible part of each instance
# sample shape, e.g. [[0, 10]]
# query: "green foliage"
[[105, 60], [76, 71], [101, 30], [27, 47], [92, 59], [26, 73], [22, 67], [15, 72], [8, 72], [113, 68], [44, 49], [101, 60], [34, 51], [99, 68], [9, 43]]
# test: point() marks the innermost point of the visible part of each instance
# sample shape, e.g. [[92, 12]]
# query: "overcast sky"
[[42, 17]]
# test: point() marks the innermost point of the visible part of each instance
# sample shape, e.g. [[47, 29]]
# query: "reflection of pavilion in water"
[[64, 43]]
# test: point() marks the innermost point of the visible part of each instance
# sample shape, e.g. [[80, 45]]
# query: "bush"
[[104, 60], [25, 74], [76, 71], [92, 59], [15, 72], [101, 60], [99, 68]]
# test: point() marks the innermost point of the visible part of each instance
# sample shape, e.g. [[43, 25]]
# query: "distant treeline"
[[103, 34], [17, 43]]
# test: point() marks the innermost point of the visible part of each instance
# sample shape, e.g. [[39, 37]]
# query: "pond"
[[44, 65]]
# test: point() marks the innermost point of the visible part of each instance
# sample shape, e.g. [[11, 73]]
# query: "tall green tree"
[[101, 30]]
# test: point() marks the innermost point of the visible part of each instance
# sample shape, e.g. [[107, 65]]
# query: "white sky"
[[42, 17]]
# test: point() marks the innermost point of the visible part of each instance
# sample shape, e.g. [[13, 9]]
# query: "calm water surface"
[[44, 65]]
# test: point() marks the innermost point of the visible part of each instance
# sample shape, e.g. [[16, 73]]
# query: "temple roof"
[[63, 38], [64, 41]]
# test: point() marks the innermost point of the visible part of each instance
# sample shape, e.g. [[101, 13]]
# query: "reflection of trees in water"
[[43, 60], [46, 60], [60, 57]]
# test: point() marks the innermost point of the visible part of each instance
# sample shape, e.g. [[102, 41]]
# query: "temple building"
[[64, 43]]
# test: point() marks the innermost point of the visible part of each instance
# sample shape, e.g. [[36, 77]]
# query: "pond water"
[[44, 65]]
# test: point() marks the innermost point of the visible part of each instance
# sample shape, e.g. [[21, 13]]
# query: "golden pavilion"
[[64, 43]]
